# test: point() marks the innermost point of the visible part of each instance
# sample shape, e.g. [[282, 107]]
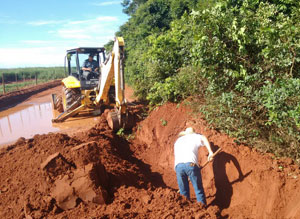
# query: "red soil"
[[241, 181], [98, 174], [94, 174]]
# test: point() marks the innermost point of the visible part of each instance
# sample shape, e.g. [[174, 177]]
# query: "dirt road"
[[98, 174]]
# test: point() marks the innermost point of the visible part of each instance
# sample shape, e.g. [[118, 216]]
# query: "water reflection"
[[35, 119]]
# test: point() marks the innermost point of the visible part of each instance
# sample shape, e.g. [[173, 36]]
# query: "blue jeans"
[[185, 171]]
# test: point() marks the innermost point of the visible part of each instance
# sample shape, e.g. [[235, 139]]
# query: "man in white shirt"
[[186, 162]]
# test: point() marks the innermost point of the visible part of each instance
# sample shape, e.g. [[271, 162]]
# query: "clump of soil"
[[130, 202]]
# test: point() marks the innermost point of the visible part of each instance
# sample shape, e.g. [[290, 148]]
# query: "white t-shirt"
[[186, 148]]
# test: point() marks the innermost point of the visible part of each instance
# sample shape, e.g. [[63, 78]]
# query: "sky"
[[36, 33]]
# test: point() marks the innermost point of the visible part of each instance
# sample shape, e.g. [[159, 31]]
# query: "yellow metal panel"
[[71, 82], [112, 74], [107, 74], [121, 41], [118, 49]]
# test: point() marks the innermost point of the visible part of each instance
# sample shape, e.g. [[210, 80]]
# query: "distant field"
[[18, 78]]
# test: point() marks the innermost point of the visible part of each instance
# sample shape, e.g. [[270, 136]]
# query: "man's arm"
[[207, 145], [84, 67], [96, 66]]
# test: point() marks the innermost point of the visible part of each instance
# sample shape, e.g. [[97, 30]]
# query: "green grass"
[[21, 85], [44, 74]]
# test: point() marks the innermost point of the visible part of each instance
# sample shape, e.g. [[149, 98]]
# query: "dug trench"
[[101, 174]]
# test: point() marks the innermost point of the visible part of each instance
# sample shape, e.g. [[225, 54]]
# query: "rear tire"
[[70, 96]]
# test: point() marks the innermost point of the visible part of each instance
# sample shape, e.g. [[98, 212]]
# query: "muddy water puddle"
[[34, 116], [25, 122]]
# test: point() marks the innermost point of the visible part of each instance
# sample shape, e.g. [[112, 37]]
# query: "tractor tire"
[[59, 104], [71, 95]]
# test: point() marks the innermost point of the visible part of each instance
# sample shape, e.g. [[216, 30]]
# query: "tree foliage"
[[130, 6]]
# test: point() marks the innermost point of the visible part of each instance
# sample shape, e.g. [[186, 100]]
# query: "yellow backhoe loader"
[[95, 87]]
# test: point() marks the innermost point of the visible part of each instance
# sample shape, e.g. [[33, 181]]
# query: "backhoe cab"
[[95, 89], [76, 58]]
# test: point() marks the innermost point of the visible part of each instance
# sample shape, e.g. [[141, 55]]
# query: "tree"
[[130, 6]]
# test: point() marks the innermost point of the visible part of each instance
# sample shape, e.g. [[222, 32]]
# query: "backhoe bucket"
[[115, 122]]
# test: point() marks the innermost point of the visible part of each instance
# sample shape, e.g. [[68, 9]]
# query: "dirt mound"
[[94, 174], [103, 175], [240, 181], [12, 98]]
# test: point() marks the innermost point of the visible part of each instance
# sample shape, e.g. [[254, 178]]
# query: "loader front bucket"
[[53, 100]]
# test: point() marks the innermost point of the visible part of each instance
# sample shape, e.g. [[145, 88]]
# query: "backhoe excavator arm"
[[113, 69]]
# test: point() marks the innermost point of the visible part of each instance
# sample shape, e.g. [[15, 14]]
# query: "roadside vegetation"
[[17, 78], [238, 59]]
